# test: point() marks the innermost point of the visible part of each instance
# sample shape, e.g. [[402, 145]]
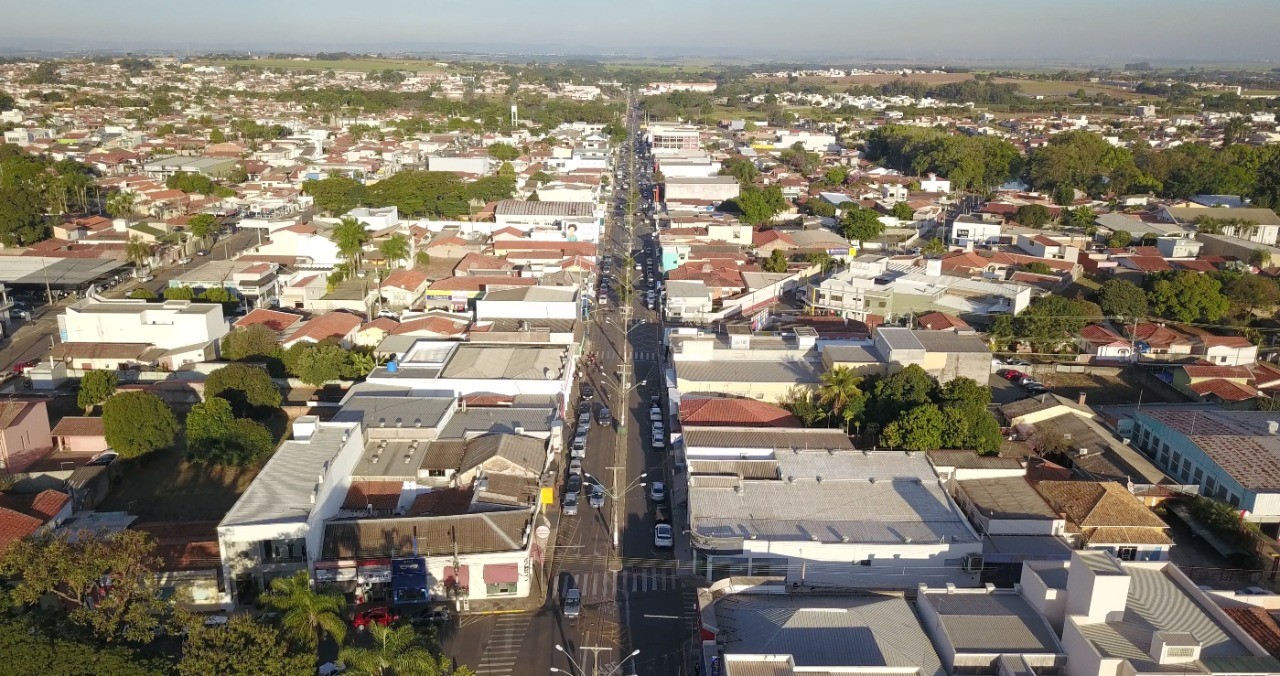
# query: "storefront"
[[373, 580], [501, 579], [457, 581], [409, 581]]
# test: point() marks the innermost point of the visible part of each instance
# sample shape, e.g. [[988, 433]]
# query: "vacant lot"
[[164, 487]]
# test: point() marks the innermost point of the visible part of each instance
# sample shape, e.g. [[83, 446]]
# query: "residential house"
[[1105, 515], [1104, 345], [404, 288], [24, 434], [76, 434], [23, 516], [336, 325]]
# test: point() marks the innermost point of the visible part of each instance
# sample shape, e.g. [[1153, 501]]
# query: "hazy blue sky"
[[1073, 30]]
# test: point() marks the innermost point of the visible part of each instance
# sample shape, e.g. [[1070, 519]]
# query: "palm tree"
[[350, 237], [137, 251], [839, 390], [305, 612], [120, 205], [396, 651], [395, 249], [934, 247]]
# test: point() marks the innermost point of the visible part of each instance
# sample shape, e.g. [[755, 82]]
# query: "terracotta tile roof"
[[1259, 624], [728, 412], [386, 324], [407, 279], [10, 411], [475, 261], [437, 325], [14, 526], [329, 325], [1226, 390], [185, 545], [478, 283], [383, 495], [566, 248], [941, 321], [1158, 336], [442, 502], [1194, 266], [1149, 263], [1043, 470], [276, 321], [77, 426], [1212, 371], [1101, 335], [487, 399], [762, 237], [1098, 504]]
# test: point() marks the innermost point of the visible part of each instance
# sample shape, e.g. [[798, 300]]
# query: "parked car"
[[603, 416], [1028, 380], [202, 252], [1013, 375], [24, 366], [573, 484], [655, 414], [655, 401], [428, 617], [662, 536], [658, 440], [1017, 362], [572, 606], [657, 491], [588, 392], [379, 614], [185, 260], [578, 449], [1037, 389], [569, 507], [596, 498], [584, 407], [147, 278], [584, 418], [575, 466]]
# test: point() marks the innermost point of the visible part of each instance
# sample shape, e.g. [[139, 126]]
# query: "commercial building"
[[700, 189], [171, 325], [560, 221], [669, 139], [254, 283], [164, 167], [530, 302], [450, 368]]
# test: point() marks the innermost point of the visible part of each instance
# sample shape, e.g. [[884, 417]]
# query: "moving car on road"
[[597, 496], [657, 491], [662, 536], [572, 606]]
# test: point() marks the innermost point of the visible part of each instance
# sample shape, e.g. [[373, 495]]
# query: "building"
[[163, 167], [822, 516], [942, 354], [171, 325], [560, 221], [451, 368], [743, 365], [24, 434], [1007, 506], [253, 283], [970, 231], [1253, 224], [687, 300], [530, 302], [989, 631], [1233, 456], [713, 189], [669, 139], [1105, 515]]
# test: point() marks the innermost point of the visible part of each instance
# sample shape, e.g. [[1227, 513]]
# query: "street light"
[[571, 661], [622, 662], [616, 495]]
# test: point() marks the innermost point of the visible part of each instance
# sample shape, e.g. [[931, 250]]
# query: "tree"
[[245, 387], [336, 194], [1038, 268], [1049, 321], [836, 175], [396, 651], [202, 225], [395, 249], [137, 423], [756, 206], [1122, 299], [822, 259], [218, 294], [179, 293], [250, 342], [801, 403], [898, 392], [1119, 239], [964, 392], [934, 247], [1033, 215], [503, 152], [1260, 258], [1064, 195], [142, 294], [350, 236], [72, 565], [1247, 293], [216, 437], [839, 389], [27, 649], [1081, 217], [319, 363], [217, 136], [95, 388], [861, 224], [903, 211], [919, 429], [740, 168], [307, 613], [1187, 296], [777, 262], [241, 647], [137, 251]]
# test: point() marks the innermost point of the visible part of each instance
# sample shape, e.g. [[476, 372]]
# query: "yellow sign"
[[548, 495]]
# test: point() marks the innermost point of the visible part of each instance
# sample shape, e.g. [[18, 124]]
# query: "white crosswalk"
[[605, 585], [645, 356], [503, 646]]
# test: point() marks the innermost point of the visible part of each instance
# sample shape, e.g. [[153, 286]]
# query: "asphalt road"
[[632, 597]]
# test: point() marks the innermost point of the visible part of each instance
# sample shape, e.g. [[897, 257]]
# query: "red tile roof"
[[1259, 624], [385, 324], [941, 321], [276, 321], [1226, 390], [1101, 335], [407, 279], [14, 526], [1149, 263], [442, 502], [329, 325], [437, 325], [48, 503], [1212, 371], [383, 495], [719, 411]]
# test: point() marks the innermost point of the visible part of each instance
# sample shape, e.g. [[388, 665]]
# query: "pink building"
[[24, 434]]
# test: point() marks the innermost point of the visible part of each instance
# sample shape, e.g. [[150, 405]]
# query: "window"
[[1210, 486], [1232, 499], [436, 472], [1198, 476], [502, 589], [1127, 553], [293, 549]]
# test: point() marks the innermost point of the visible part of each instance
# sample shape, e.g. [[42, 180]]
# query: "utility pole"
[[617, 497], [595, 656]]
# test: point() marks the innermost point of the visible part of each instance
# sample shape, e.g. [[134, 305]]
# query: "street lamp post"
[[615, 495], [571, 662]]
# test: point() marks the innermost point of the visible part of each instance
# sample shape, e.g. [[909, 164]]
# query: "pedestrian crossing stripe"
[[606, 585], [503, 645]]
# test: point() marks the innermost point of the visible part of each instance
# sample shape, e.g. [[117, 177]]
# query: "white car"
[[657, 491], [662, 536], [658, 441], [575, 466], [579, 448]]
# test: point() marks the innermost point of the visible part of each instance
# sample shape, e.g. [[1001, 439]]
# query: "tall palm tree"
[[396, 651], [137, 251], [305, 612], [121, 204], [350, 237], [395, 249], [838, 387]]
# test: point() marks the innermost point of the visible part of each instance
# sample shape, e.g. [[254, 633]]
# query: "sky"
[[1030, 31]]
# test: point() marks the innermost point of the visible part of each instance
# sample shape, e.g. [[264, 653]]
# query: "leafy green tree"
[[919, 429], [218, 294], [216, 437], [503, 152], [202, 226], [1122, 299], [318, 363], [307, 613], [1119, 239], [802, 403], [836, 175], [179, 293], [246, 387], [350, 235], [1038, 267], [969, 162], [395, 249], [822, 259], [903, 211], [776, 262], [95, 388], [1260, 258], [1187, 296], [137, 251], [820, 207], [1081, 217], [840, 389], [1050, 321], [756, 206], [1033, 215], [396, 651], [217, 136], [934, 247], [861, 224], [241, 647], [1247, 293], [70, 566], [1064, 195], [142, 294], [257, 341], [137, 423], [898, 392], [335, 195], [964, 392], [28, 649], [45, 73], [740, 168], [1266, 187]]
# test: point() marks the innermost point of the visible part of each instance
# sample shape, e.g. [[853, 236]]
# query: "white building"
[[934, 184], [710, 188], [530, 302], [567, 221], [449, 368], [779, 503], [376, 219], [305, 244], [480, 165], [968, 232], [169, 325], [814, 143]]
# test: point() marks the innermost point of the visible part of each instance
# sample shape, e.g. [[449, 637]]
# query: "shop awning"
[[464, 576], [501, 573]]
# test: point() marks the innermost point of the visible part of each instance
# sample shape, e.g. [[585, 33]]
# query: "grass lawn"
[[363, 65]]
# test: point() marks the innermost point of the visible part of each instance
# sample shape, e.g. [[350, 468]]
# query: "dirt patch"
[[1099, 389]]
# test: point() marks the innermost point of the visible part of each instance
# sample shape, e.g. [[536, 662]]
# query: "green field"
[[363, 65]]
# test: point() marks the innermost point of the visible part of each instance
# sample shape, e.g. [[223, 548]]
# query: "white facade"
[[375, 219], [535, 302], [311, 248], [968, 233], [712, 188], [464, 164], [168, 325], [934, 184]]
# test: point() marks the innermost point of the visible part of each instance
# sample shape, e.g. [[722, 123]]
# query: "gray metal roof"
[[948, 341], [500, 419], [790, 371], [57, 272], [898, 338], [282, 491], [385, 410], [992, 622], [826, 631], [533, 294], [505, 362], [1007, 498]]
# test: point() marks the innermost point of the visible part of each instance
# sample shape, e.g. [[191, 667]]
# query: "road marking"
[[661, 617]]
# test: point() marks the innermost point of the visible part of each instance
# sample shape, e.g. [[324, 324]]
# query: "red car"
[[382, 616], [1013, 375]]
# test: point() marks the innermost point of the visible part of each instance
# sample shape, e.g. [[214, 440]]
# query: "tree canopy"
[[969, 162], [240, 647], [137, 423], [250, 342], [95, 388], [215, 436], [1188, 296], [861, 224], [246, 387], [1122, 299]]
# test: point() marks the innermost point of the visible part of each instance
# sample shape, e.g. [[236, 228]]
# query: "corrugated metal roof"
[[1000, 622], [282, 491]]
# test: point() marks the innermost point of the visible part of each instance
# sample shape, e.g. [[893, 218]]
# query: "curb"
[[476, 613]]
